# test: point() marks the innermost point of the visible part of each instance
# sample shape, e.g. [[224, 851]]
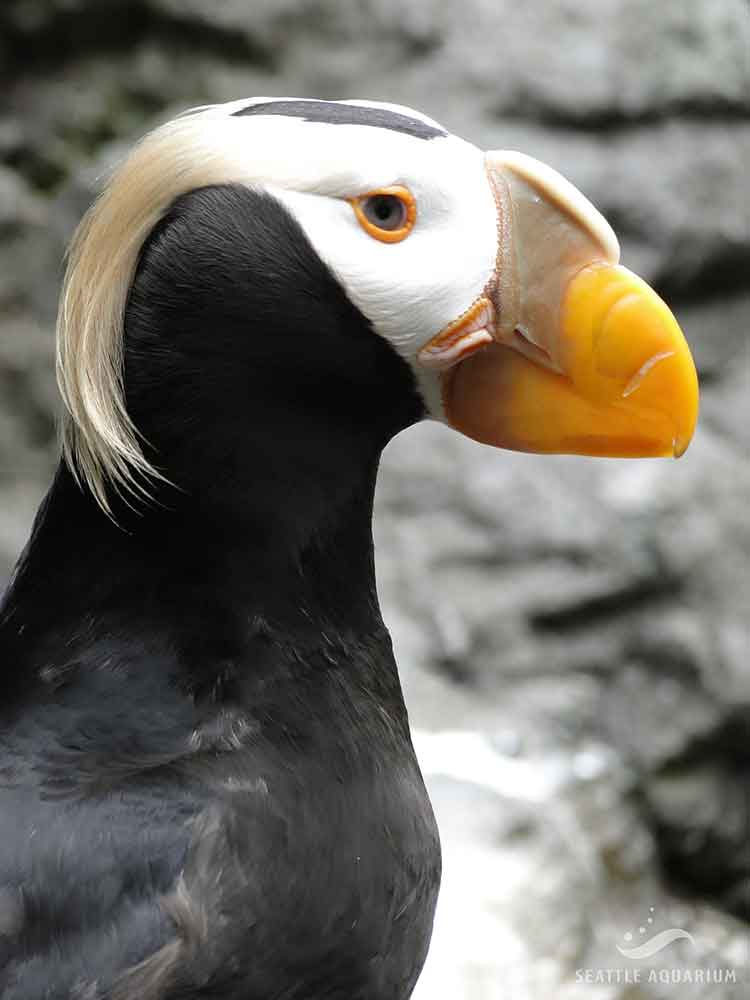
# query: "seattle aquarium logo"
[[653, 945], [645, 945]]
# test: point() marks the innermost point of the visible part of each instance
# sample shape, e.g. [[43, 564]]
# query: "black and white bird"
[[207, 783]]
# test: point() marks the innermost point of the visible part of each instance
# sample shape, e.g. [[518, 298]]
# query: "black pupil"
[[386, 210]]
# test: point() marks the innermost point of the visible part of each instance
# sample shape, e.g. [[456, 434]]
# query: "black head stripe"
[[346, 114]]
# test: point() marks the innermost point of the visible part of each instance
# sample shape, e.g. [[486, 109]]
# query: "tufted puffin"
[[207, 783]]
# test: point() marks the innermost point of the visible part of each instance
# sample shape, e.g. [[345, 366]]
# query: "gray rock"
[[18, 205], [558, 868], [717, 331], [613, 60], [574, 633], [699, 809]]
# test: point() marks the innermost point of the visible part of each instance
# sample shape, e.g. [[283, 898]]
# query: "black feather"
[[207, 784], [337, 113]]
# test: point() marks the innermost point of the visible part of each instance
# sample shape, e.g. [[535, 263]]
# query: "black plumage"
[[207, 783], [341, 113]]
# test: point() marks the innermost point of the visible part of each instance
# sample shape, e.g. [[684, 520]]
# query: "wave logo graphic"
[[655, 944]]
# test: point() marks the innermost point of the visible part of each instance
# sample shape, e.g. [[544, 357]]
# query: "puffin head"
[[331, 272]]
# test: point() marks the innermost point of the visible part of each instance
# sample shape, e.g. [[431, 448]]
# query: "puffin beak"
[[567, 351]]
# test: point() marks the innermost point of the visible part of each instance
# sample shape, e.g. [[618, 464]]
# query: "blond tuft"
[[99, 441]]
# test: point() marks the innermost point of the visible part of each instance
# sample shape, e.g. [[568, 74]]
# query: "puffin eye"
[[385, 211], [387, 214]]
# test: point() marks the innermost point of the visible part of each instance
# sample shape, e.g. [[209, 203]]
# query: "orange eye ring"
[[374, 211]]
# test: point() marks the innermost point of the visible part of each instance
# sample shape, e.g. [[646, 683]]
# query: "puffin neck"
[[196, 593], [294, 550]]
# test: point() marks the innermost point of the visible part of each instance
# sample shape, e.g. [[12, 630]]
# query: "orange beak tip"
[[629, 387]]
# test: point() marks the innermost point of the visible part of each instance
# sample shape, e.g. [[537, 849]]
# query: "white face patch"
[[410, 290]]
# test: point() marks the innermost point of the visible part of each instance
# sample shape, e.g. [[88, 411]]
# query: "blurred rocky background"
[[573, 634]]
